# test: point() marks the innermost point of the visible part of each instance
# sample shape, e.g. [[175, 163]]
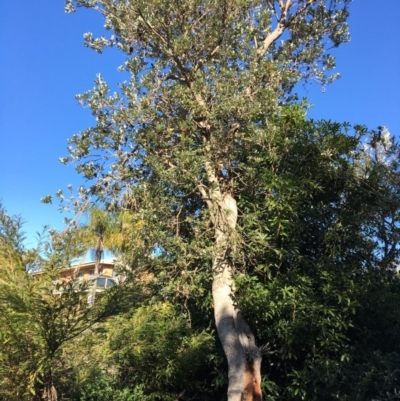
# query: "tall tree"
[[207, 79], [101, 233]]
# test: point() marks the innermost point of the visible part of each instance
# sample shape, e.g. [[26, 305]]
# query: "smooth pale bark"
[[238, 342], [243, 356]]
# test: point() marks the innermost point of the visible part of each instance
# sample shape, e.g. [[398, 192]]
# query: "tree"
[[150, 353], [40, 314], [209, 86], [101, 233], [320, 233], [315, 200]]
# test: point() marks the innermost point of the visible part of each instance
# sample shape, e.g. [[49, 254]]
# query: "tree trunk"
[[99, 254], [49, 392], [238, 342], [243, 356]]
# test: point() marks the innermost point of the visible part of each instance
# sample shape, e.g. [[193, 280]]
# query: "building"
[[85, 270]]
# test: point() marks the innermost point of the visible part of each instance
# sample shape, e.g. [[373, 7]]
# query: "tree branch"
[[278, 31]]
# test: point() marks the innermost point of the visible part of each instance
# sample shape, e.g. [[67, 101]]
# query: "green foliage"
[[40, 314], [156, 350], [315, 275], [199, 73], [320, 285], [150, 354], [210, 106]]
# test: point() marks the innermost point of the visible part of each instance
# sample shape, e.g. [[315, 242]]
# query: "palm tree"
[[103, 232]]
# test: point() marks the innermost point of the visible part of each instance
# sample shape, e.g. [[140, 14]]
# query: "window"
[[101, 282], [110, 283]]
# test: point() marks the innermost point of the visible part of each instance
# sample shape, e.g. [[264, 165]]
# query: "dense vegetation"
[[216, 193]]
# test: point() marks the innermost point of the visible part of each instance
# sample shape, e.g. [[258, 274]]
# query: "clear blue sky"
[[43, 65]]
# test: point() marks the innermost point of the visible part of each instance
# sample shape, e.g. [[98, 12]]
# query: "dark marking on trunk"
[[252, 387]]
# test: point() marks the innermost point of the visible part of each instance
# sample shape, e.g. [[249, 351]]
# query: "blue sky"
[[43, 65]]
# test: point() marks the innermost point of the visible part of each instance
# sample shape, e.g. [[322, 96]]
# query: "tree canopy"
[[245, 222]]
